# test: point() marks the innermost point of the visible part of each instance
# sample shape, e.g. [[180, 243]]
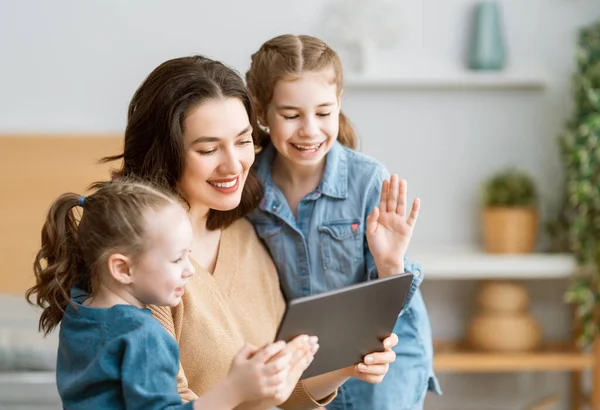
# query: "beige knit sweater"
[[241, 302]]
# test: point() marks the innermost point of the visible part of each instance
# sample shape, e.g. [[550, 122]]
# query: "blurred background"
[[465, 99]]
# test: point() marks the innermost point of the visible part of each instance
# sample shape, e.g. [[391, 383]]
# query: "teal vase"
[[487, 49]]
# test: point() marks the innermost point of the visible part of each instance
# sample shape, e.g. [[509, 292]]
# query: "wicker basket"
[[509, 230]]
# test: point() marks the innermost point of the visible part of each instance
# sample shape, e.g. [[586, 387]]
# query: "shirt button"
[[417, 273], [275, 207]]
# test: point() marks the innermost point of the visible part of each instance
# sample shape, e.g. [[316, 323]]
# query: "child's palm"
[[388, 230], [254, 376], [293, 360]]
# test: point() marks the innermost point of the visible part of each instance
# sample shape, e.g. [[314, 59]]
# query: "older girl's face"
[[219, 152], [303, 117]]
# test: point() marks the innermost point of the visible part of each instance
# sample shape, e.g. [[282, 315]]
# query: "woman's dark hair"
[[154, 144]]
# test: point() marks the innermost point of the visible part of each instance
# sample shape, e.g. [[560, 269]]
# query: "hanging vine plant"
[[579, 221]]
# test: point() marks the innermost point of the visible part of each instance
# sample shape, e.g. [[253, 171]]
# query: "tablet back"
[[350, 322]]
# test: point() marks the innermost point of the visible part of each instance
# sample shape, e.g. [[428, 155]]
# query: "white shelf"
[[28, 377], [450, 80], [465, 263]]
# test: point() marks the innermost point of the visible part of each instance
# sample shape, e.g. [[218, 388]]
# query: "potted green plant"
[[510, 214], [579, 219]]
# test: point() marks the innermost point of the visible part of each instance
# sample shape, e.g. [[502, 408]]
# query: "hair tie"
[[81, 201]]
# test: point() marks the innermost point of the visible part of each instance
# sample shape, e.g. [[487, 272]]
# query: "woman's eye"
[[290, 117], [207, 152], [324, 114]]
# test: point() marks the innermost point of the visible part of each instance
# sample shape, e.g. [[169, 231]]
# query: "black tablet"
[[349, 322]]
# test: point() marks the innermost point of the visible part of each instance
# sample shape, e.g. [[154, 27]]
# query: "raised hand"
[[389, 230]]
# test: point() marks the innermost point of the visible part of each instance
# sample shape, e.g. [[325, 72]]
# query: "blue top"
[[116, 358], [325, 248]]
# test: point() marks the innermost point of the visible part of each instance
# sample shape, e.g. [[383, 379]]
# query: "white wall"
[[72, 65]]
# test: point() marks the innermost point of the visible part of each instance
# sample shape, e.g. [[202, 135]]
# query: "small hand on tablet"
[[375, 365], [303, 349], [299, 354]]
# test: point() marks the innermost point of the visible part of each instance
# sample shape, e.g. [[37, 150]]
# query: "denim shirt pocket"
[[341, 245]]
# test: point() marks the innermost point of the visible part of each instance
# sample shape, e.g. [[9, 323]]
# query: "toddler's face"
[[163, 270]]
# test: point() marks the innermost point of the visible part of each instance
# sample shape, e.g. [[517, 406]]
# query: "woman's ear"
[[120, 269]]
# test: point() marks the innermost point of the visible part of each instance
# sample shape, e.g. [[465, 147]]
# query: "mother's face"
[[219, 152]]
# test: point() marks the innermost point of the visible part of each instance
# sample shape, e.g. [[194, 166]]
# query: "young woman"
[[192, 126]]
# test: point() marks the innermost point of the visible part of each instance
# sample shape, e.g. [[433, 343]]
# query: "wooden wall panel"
[[34, 170]]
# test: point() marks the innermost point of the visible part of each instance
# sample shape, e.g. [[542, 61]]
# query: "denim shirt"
[[325, 248]]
